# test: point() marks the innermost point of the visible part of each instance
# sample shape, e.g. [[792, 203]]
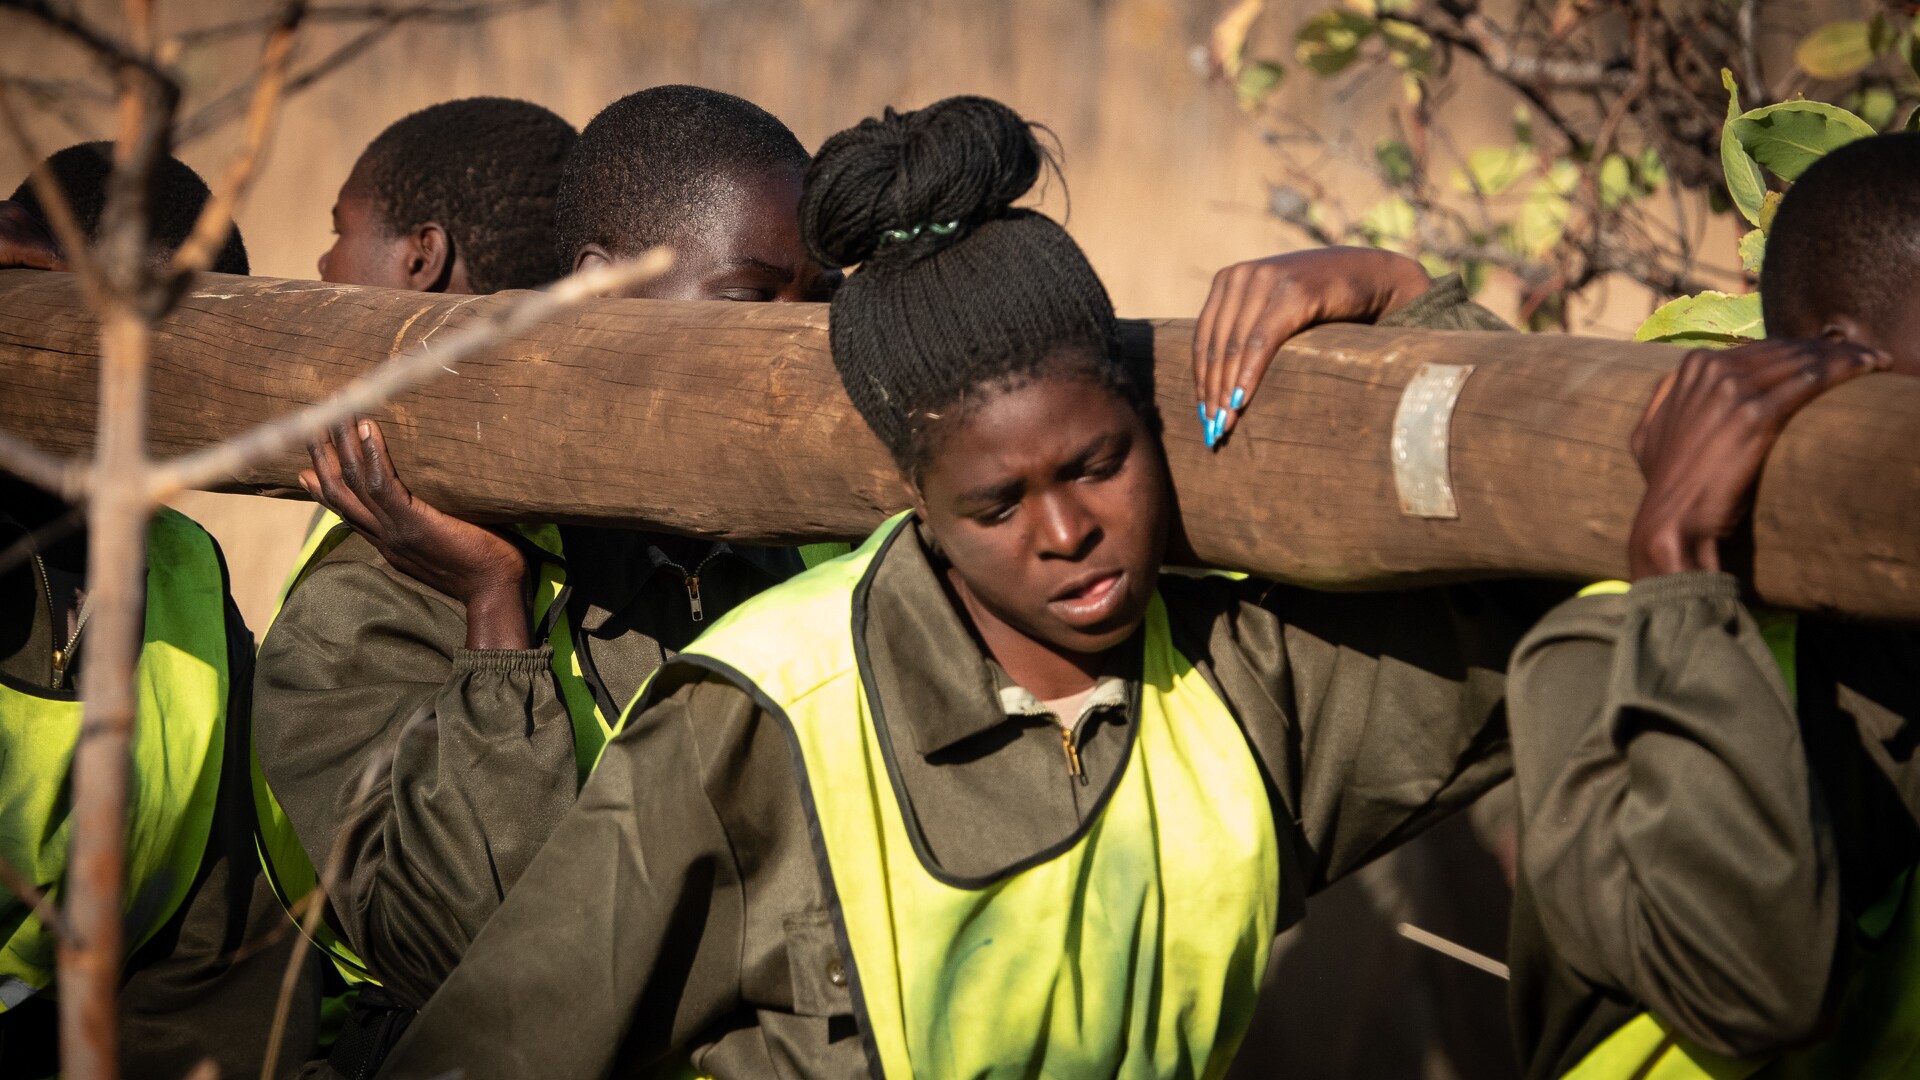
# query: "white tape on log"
[[1422, 440]]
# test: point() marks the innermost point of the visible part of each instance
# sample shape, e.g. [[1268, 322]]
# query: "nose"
[[1067, 529]]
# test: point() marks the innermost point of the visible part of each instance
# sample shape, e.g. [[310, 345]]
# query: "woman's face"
[[1050, 502]]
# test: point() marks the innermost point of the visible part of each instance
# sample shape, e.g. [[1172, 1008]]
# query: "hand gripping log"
[[1371, 457]]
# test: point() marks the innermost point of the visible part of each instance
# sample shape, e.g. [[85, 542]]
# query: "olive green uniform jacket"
[[466, 757], [1694, 844], [679, 910], [206, 984]]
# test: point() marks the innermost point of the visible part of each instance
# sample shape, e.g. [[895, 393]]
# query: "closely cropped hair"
[[1846, 240], [646, 168], [487, 170], [956, 292], [175, 197]]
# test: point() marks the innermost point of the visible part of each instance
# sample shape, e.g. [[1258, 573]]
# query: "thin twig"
[[1457, 951], [217, 112], [354, 13], [75, 245], [65, 477], [43, 909], [397, 375], [107, 49], [216, 217]]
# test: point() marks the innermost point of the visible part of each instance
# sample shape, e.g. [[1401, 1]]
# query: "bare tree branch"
[[17, 884], [62, 476], [431, 12], [75, 246], [396, 376], [223, 108], [216, 217], [68, 23]]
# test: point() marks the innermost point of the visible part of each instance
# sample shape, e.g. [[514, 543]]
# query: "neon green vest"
[[179, 736], [1135, 952], [289, 870], [1879, 1033]]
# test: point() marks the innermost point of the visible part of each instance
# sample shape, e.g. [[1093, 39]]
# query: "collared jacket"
[[439, 769], [679, 909], [206, 984], [1699, 838]]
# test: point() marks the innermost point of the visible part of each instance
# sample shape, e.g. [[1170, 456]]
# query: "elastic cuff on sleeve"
[[508, 661], [1444, 294], [1689, 585]]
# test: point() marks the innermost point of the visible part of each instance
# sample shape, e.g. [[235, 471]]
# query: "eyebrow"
[[748, 261], [995, 493]]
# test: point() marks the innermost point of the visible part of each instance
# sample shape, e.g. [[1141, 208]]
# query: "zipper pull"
[[693, 598], [1073, 755], [59, 668]]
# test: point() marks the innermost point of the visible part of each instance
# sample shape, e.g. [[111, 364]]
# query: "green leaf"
[[1257, 79], [1792, 135], [1395, 160], [1331, 40], [1710, 319], [1876, 105], [1543, 220], [1491, 170], [1389, 223], [1746, 184], [1653, 171], [1753, 250], [1409, 47], [1838, 50], [1616, 182], [1769, 206], [1522, 126]]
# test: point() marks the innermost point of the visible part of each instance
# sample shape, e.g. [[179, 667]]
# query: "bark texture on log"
[[728, 420]]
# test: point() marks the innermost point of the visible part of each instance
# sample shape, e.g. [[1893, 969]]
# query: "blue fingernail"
[[1202, 407], [1239, 399], [1217, 428], [1207, 430]]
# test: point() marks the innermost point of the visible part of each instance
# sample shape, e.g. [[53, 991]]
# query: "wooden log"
[[727, 420]]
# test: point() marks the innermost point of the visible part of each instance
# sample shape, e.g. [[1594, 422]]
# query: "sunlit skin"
[[421, 259], [746, 247], [1049, 503]]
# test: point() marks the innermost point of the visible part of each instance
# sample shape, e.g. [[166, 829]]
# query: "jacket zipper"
[[1073, 755], [695, 606]]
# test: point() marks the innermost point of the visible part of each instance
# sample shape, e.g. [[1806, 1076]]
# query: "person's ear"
[[917, 500], [591, 257], [1846, 328], [429, 258]]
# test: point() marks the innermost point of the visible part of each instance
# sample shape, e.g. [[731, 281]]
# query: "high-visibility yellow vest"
[[1879, 1016], [288, 868], [1135, 949], [179, 738]]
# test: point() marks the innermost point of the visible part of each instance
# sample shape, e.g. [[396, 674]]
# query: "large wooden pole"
[[728, 420]]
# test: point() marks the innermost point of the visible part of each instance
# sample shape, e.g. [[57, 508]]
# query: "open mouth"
[[1090, 599]]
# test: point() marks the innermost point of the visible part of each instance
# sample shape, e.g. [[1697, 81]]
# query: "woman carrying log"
[[990, 794]]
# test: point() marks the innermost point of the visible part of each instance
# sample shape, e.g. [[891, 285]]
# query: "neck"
[[1046, 671]]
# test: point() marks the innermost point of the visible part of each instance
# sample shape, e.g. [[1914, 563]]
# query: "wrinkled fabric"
[[678, 907], [440, 770], [1696, 841], [205, 985]]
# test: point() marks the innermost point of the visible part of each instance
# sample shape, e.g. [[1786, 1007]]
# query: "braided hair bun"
[[956, 292]]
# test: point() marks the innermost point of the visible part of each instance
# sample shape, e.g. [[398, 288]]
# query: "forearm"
[[1675, 843], [436, 771]]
